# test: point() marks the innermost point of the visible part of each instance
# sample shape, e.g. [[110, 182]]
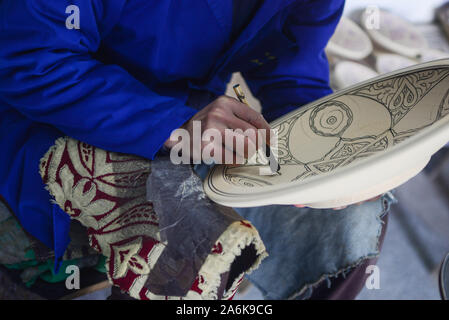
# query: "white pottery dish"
[[389, 62], [348, 73], [349, 41], [433, 54], [395, 34], [349, 146]]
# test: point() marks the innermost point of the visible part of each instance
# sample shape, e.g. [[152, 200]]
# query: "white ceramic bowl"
[[348, 73], [349, 146], [389, 62], [433, 54], [349, 41], [394, 34]]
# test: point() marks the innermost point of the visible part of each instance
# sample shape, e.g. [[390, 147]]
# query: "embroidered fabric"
[[106, 193]]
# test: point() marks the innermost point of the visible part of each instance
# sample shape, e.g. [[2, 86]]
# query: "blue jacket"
[[121, 81]]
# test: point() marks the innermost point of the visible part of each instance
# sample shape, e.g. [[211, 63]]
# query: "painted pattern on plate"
[[350, 127]]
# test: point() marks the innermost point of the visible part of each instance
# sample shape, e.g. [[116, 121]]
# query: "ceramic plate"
[[395, 34], [348, 73], [349, 41], [349, 146], [388, 62], [433, 54], [442, 14]]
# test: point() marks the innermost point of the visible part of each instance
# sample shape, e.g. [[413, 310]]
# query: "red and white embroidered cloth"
[[106, 192]]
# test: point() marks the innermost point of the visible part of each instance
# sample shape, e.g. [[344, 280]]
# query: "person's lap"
[[308, 246]]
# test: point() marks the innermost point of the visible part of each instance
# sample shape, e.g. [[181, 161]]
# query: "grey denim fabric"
[[189, 222], [307, 246]]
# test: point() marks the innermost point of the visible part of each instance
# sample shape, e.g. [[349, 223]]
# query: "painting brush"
[[274, 165]]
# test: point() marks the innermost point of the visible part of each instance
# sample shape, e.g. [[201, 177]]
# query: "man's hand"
[[225, 113], [340, 208]]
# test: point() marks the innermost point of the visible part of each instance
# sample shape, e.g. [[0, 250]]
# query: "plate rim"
[[434, 132]]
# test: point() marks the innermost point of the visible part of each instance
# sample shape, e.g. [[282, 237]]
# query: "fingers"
[[244, 112], [375, 198], [252, 117], [221, 154], [359, 203], [224, 148], [238, 126], [339, 208], [249, 115], [344, 207], [233, 149], [244, 134], [303, 206]]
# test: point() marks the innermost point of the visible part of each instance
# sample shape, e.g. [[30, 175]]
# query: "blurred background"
[[376, 37]]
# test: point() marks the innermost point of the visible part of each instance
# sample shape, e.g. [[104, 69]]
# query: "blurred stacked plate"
[[348, 73], [388, 62], [442, 14], [349, 41], [432, 54], [393, 33]]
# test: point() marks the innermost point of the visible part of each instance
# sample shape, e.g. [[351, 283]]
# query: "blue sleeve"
[[48, 74], [301, 73]]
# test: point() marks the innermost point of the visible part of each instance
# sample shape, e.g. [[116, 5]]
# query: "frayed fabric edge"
[[233, 240], [346, 269], [60, 142]]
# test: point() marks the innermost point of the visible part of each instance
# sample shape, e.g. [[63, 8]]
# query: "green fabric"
[[44, 270], [16, 253], [101, 266], [32, 269]]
